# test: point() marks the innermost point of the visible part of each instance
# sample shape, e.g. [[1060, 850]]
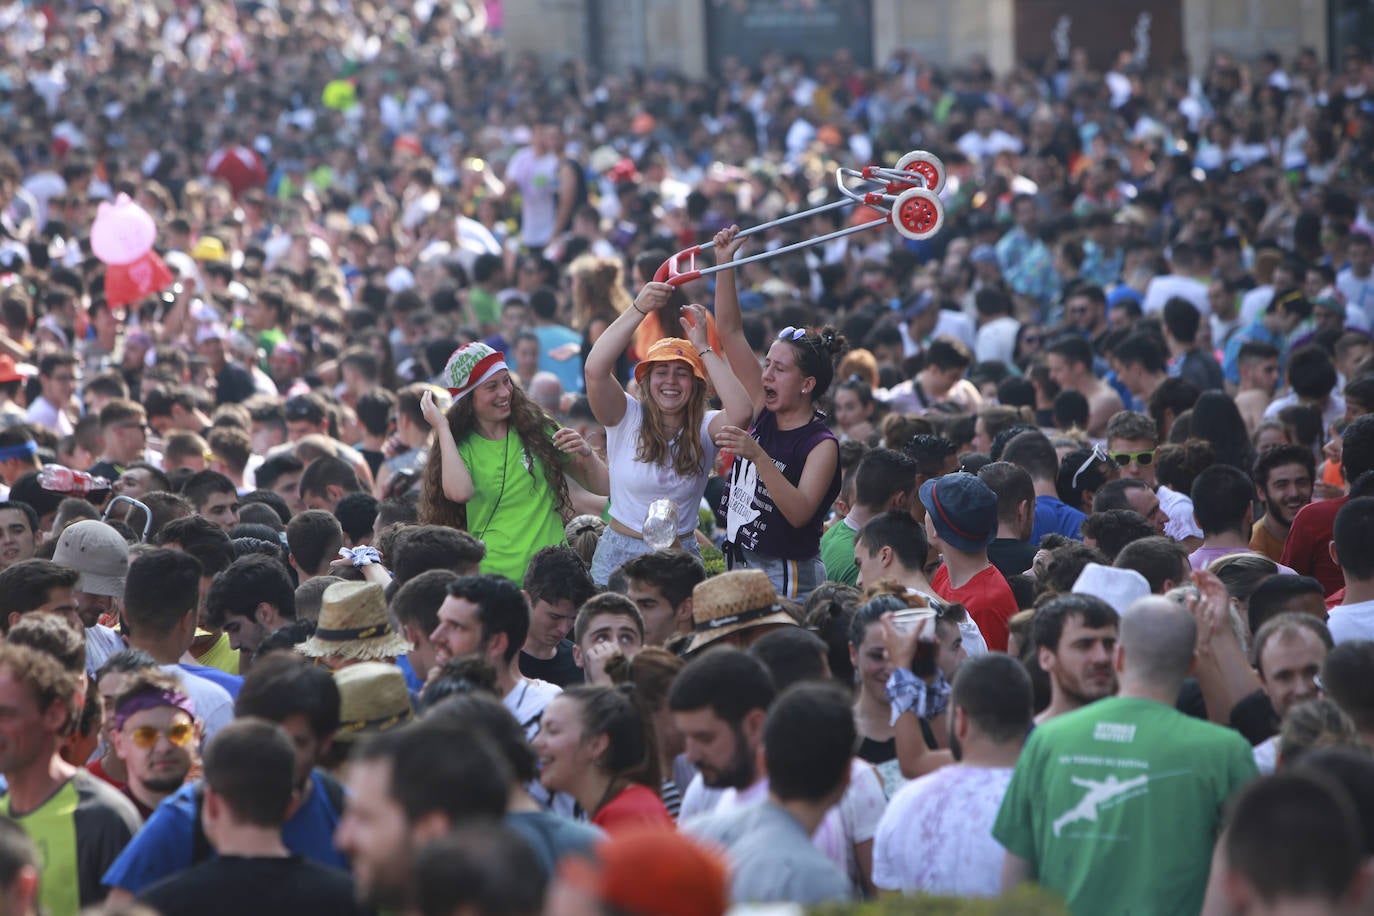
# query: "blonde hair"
[[598, 286]]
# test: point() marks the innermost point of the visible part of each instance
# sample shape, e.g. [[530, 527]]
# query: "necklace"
[[505, 463]]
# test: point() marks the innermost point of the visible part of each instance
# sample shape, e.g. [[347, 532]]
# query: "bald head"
[[1157, 640]]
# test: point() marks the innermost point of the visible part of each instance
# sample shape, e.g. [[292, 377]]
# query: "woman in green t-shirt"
[[502, 461]]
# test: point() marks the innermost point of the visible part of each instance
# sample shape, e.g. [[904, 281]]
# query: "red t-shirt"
[[1308, 548], [97, 768], [988, 599], [636, 806]]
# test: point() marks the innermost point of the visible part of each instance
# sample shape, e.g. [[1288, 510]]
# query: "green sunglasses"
[[1141, 459]]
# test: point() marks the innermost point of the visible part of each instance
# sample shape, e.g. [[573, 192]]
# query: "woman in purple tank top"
[[786, 471]]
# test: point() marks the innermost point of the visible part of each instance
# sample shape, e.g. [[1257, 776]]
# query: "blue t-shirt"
[[413, 682], [163, 847], [569, 371], [232, 683], [1054, 516]]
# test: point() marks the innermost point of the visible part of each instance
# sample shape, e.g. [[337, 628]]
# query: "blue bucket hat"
[[963, 509]]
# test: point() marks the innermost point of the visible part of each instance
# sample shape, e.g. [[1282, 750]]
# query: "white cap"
[[1118, 587]]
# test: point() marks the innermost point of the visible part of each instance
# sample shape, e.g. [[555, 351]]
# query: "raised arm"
[[604, 391], [730, 324], [738, 410], [1223, 672], [913, 756], [458, 486], [796, 503]]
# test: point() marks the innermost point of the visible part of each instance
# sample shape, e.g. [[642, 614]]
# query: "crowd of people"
[[416, 548]]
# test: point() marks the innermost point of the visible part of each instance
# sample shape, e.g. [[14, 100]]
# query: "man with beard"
[[410, 786], [155, 734], [1289, 652], [926, 845], [1283, 477], [489, 615], [101, 556], [1075, 636], [304, 700], [719, 703]]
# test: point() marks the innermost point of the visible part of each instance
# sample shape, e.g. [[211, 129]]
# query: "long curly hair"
[[658, 446], [598, 290], [530, 423]]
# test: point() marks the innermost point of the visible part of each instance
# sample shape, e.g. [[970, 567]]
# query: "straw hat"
[[738, 600], [353, 624], [372, 698]]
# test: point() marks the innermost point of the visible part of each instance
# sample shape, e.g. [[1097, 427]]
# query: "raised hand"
[[728, 242], [653, 297], [434, 414], [694, 325]]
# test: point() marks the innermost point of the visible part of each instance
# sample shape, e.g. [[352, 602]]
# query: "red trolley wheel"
[[917, 214], [928, 166]]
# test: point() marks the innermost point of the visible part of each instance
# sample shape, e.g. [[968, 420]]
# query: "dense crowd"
[[386, 535]]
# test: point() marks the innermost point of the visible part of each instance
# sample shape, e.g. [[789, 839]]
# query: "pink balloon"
[[123, 231]]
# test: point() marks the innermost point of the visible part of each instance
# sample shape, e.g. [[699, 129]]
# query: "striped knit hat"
[[470, 366]]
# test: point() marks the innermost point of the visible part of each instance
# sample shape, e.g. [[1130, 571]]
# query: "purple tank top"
[[752, 521]]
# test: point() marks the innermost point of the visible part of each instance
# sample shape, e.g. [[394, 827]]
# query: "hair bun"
[[833, 341]]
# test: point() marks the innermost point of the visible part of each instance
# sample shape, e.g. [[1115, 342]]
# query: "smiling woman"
[[500, 465], [660, 444]]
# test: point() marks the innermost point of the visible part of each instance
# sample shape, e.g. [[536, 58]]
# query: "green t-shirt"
[[78, 833], [1116, 806], [837, 553], [485, 307], [513, 510]]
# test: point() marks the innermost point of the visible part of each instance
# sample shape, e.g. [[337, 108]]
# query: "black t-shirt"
[[233, 384], [374, 459], [560, 670], [233, 885], [1010, 556]]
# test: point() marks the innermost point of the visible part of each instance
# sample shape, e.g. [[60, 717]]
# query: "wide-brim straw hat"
[[372, 698], [737, 600], [353, 624]]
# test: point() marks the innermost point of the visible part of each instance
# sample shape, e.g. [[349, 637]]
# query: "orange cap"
[[668, 350]]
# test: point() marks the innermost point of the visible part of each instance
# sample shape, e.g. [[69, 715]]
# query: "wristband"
[[703, 353], [638, 309]]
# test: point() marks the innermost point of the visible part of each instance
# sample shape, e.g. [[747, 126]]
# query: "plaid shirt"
[[1027, 265]]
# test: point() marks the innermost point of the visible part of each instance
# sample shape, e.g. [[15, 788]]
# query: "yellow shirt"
[[1263, 541], [221, 656]]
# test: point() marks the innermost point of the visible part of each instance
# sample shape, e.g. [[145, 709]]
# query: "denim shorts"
[[614, 549], [794, 580]]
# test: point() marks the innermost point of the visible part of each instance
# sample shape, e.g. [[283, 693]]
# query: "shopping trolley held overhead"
[[907, 195]]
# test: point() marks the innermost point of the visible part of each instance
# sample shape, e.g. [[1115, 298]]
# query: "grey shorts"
[[794, 580], [614, 549]]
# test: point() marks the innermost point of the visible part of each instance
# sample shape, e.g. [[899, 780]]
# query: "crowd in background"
[[410, 546]]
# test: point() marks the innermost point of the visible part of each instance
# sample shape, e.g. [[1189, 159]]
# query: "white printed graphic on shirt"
[[1100, 792], [741, 510]]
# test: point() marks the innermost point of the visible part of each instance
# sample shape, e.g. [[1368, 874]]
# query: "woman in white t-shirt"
[[660, 444]]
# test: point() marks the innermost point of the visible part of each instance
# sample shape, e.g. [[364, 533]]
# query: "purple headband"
[[152, 699]]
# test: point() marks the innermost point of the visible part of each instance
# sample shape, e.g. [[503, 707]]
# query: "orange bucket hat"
[[668, 350]]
